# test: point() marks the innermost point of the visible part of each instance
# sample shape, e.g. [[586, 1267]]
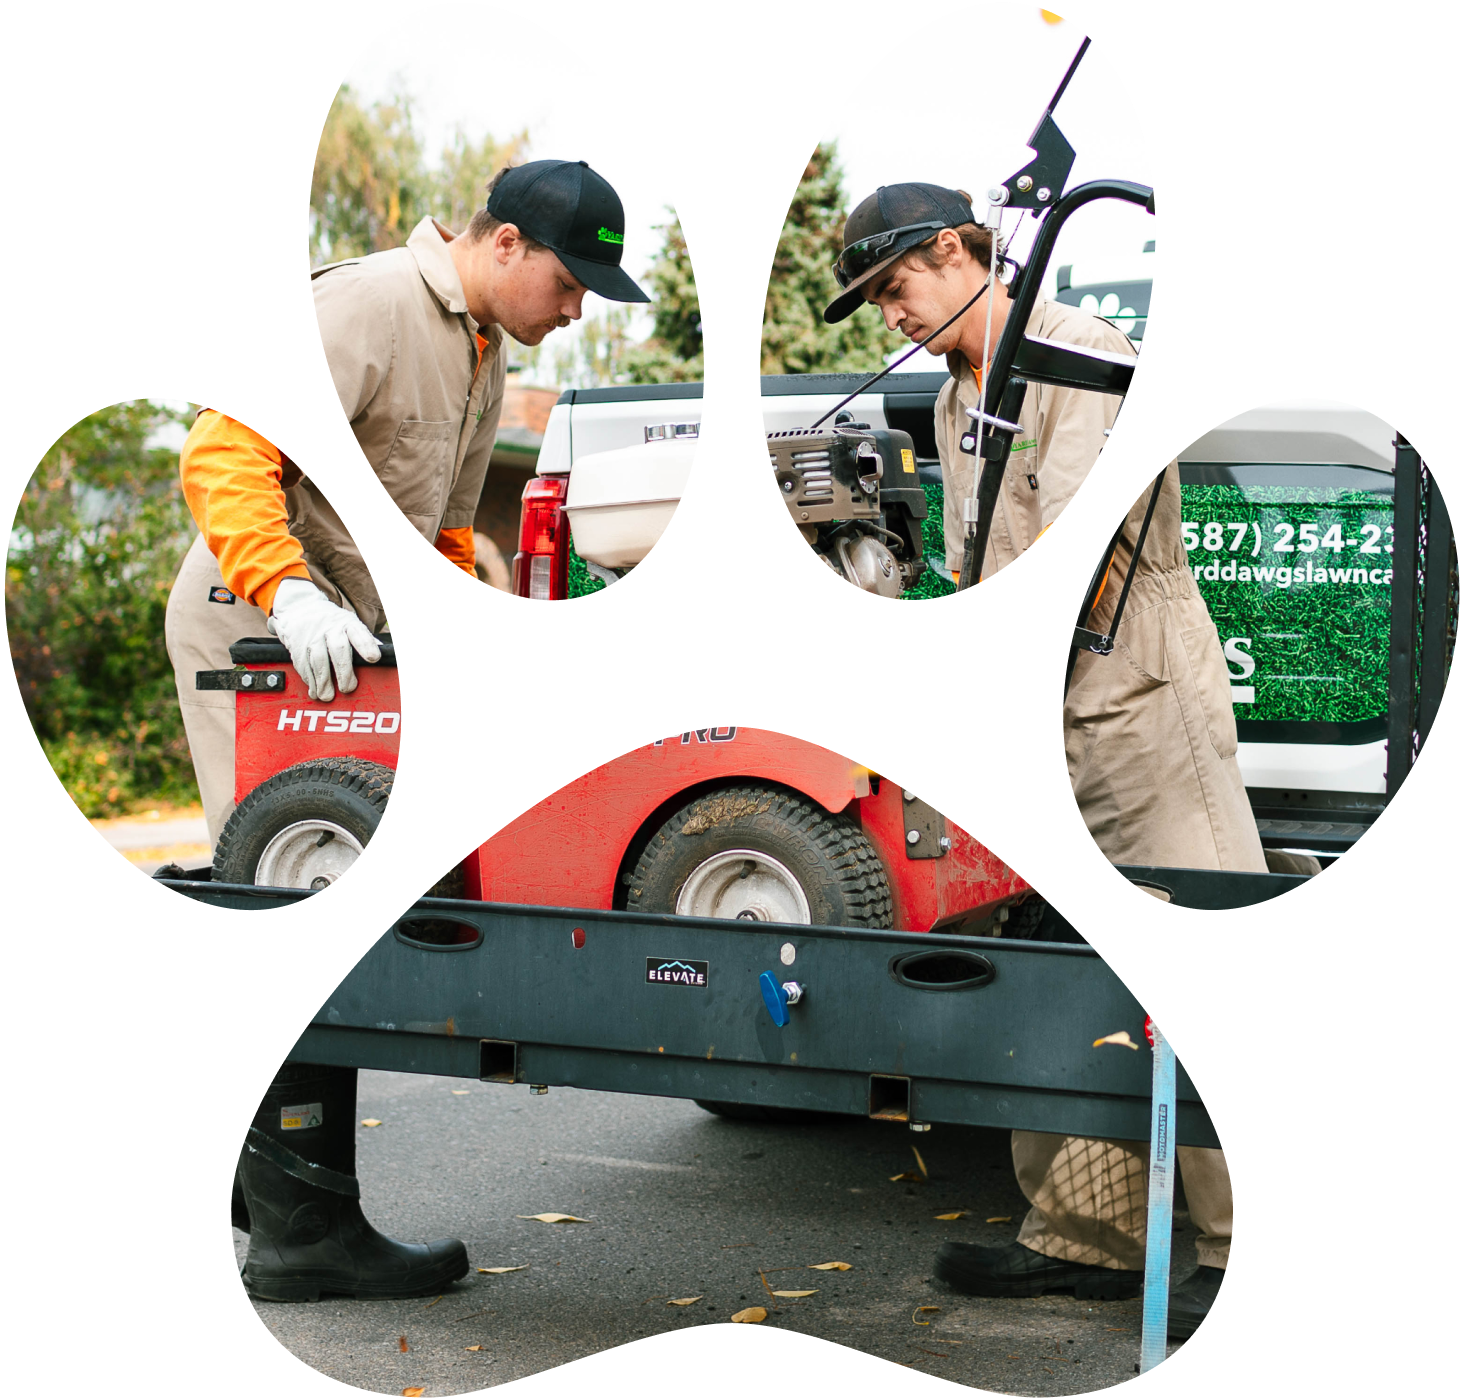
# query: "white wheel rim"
[[745, 884], [307, 854]]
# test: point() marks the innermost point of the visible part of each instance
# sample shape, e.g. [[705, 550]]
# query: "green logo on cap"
[[606, 236]]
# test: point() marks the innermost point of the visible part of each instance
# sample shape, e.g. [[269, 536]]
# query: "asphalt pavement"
[[681, 1204]]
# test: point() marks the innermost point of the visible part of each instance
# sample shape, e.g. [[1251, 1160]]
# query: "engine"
[[846, 516]]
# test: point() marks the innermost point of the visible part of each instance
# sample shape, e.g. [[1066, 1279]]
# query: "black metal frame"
[[1020, 360], [1425, 609]]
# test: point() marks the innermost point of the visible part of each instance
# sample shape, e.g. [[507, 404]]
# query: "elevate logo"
[[660, 972]]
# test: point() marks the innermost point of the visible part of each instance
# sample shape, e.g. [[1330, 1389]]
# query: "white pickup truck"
[[1288, 519]]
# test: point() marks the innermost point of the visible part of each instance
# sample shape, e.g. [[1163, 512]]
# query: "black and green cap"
[[575, 214]]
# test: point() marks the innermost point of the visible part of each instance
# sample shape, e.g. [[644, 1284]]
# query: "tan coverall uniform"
[[422, 386], [1062, 429], [1151, 744]]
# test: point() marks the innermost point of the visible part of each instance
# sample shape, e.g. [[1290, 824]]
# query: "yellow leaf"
[[796, 1295], [1004, 1218], [684, 1301], [907, 1175], [1120, 1037], [1051, 18], [959, 1213], [402, 1343], [472, 1349], [831, 1267], [751, 1316], [918, 1312], [370, 1121], [459, 1092], [499, 1271], [555, 1218], [920, 1163], [413, 1392]]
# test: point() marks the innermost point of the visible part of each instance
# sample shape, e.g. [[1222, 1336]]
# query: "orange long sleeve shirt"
[[234, 482]]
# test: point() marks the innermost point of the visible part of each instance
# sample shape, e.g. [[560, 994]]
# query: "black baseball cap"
[[894, 219], [575, 214]]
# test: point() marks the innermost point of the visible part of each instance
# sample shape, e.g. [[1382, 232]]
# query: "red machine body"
[[574, 773]]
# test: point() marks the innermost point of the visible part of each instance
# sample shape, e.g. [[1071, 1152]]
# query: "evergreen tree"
[[795, 339]]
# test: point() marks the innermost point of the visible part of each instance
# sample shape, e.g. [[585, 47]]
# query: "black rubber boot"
[[307, 1234], [238, 1209], [1190, 1301], [1015, 1270]]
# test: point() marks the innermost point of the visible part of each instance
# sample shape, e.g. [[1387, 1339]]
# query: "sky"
[[1190, 107]]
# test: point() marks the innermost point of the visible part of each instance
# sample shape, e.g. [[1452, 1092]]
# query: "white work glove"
[[318, 634]]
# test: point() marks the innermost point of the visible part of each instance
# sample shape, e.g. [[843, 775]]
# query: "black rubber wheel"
[[750, 1111], [835, 867], [345, 793]]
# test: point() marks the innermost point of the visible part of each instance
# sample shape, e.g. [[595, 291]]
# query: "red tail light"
[[541, 566]]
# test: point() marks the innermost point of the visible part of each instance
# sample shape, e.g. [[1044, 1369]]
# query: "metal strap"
[[296, 1166], [1081, 634]]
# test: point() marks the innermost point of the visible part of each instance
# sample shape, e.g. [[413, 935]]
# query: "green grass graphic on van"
[[1298, 581]]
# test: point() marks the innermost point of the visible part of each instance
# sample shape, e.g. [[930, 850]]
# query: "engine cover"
[[827, 474]]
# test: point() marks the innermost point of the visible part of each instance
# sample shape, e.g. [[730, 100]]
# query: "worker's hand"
[[319, 636]]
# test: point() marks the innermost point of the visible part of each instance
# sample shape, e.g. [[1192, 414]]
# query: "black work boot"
[[1016, 1270], [307, 1232], [1190, 1301]]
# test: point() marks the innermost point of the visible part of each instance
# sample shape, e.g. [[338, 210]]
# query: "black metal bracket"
[[1039, 183], [1095, 641], [258, 681]]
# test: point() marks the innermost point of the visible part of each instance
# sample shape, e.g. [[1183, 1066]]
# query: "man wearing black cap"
[[918, 253], [414, 340], [1150, 732]]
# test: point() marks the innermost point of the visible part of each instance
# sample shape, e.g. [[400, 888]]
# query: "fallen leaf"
[[919, 1311], [920, 1163], [796, 1295], [684, 1301], [370, 1121], [413, 1392], [831, 1267], [459, 1092], [959, 1213], [430, 1304], [1003, 1218], [555, 1218], [907, 1175], [1121, 1037], [472, 1349], [402, 1343], [751, 1316], [499, 1271]]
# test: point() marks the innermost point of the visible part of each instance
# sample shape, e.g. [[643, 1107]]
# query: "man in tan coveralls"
[[1150, 733], [415, 342]]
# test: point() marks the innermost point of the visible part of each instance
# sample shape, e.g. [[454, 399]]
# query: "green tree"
[[373, 182], [101, 530], [672, 353], [795, 339], [598, 352]]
